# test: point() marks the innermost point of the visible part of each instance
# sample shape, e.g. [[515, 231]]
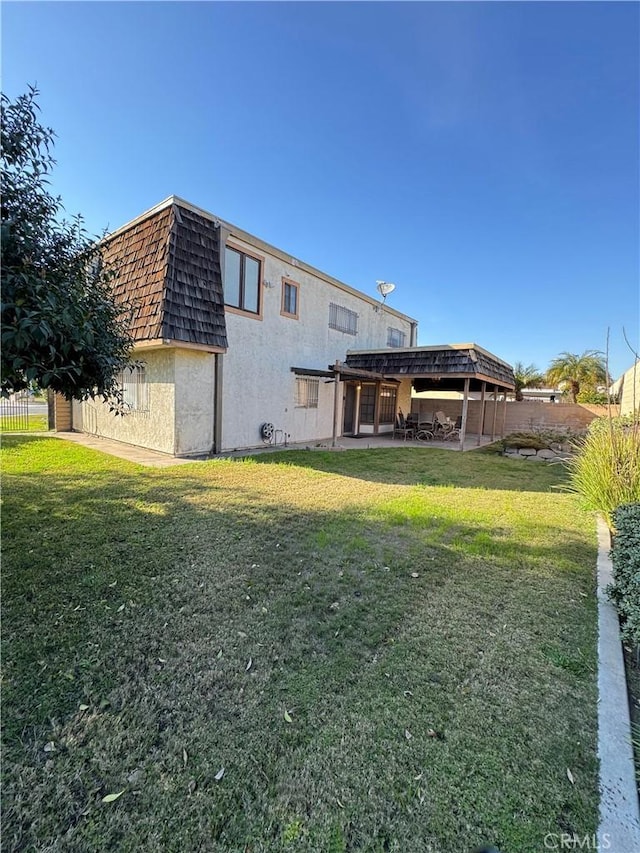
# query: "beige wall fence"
[[519, 416]]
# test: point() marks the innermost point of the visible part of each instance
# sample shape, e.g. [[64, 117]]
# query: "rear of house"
[[237, 342]]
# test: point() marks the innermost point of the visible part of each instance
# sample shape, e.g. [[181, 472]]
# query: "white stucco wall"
[[155, 428], [258, 383], [630, 399], [194, 401]]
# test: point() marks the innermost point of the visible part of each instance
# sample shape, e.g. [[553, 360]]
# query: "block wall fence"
[[519, 416]]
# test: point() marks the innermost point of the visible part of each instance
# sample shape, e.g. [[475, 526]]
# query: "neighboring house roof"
[[438, 367], [167, 266]]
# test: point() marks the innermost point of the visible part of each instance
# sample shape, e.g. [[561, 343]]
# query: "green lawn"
[[388, 650]]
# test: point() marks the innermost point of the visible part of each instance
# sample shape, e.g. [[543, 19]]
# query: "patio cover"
[[447, 367], [444, 367]]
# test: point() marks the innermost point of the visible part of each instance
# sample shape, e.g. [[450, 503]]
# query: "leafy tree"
[[60, 326], [573, 371], [590, 394], [526, 376]]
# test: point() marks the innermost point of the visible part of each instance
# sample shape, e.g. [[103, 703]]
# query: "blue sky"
[[482, 156]]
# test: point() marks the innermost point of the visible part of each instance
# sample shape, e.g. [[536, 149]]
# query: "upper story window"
[[343, 319], [290, 298], [241, 280], [395, 337]]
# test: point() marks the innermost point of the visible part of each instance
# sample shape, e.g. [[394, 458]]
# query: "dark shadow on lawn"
[[426, 467]]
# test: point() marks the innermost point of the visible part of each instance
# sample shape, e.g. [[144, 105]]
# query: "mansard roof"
[[167, 268]]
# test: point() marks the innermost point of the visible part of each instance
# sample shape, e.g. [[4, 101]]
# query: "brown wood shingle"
[[167, 267], [435, 363]]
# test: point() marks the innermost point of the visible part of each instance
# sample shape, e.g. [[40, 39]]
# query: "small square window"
[[289, 298], [307, 392], [395, 337]]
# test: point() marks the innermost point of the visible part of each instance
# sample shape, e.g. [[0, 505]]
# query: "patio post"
[[356, 410], [481, 427], [504, 414], [336, 406], [465, 411], [495, 413]]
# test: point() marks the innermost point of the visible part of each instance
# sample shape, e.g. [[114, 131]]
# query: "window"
[[307, 392], [342, 319], [289, 298], [241, 281], [368, 403], [385, 397], [395, 337], [387, 404], [133, 381]]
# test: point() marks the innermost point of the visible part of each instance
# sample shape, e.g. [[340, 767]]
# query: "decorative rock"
[[546, 454], [527, 451], [537, 458]]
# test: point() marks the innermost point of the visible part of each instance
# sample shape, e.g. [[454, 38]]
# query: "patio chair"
[[422, 429], [401, 427], [445, 429]]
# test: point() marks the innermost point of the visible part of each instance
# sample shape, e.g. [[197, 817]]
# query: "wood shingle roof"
[[441, 365], [167, 267]]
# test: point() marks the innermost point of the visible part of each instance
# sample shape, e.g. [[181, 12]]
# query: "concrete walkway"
[[155, 459], [140, 455], [619, 829]]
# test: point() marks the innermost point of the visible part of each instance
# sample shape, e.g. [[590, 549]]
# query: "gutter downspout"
[[217, 404], [223, 235], [413, 338]]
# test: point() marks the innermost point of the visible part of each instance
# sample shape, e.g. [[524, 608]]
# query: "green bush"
[[605, 471], [524, 439], [625, 589]]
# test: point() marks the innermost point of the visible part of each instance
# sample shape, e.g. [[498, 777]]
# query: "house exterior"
[[627, 390], [238, 343]]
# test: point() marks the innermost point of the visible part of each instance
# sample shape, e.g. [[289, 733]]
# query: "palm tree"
[[526, 377], [573, 371]]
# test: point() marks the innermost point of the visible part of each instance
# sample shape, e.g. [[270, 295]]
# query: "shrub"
[[538, 438], [625, 589], [605, 472], [524, 439]]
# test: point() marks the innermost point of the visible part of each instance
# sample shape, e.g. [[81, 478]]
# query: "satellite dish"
[[384, 288]]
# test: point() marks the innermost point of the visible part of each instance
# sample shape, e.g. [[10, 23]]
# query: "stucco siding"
[[258, 383], [154, 428], [194, 402], [630, 399]]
